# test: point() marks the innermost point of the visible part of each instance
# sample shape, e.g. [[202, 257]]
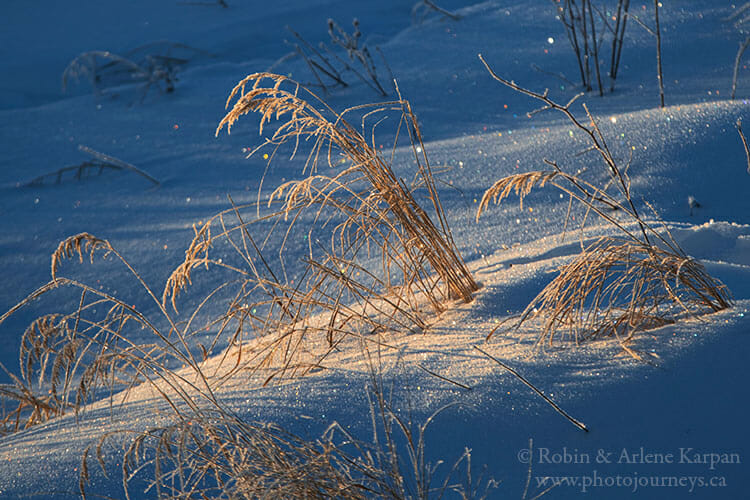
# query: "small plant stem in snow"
[[744, 143], [531, 386], [737, 59], [660, 76]]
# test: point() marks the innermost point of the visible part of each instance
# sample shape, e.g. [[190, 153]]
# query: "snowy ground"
[[688, 399]]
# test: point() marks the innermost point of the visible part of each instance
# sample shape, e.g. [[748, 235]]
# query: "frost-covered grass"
[[687, 161]]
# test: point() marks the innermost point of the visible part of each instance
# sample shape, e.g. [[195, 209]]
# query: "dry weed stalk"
[[81, 171], [659, 74], [580, 28], [744, 143], [617, 285], [68, 360], [423, 8], [217, 455], [372, 215], [327, 66], [153, 64], [398, 446], [656, 33], [383, 186], [737, 60], [531, 386], [99, 161], [156, 72]]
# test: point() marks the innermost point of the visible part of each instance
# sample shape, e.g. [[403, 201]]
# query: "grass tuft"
[[390, 264], [364, 209], [616, 286]]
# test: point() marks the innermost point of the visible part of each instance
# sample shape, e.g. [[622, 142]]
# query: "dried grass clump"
[[617, 285], [369, 214], [395, 206], [366, 213], [214, 454], [206, 452], [154, 64], [68, 360], [218, 456], [40, 352], [65, 361]]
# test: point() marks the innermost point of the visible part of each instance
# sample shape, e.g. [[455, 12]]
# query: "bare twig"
[[616, 286], [325, 65], [660, 75], [531, 386], [550, 73], [81, 170], [586, 46], [587, 40], [737, 59], [593, 133], [430, 5], [595, 47], [325, 62], [622, 17], [114, 161], [744, 143], [641, 24], [446, 379], [569, 21], [737, 13]]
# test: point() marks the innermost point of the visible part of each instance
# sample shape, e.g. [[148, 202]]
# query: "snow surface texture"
[[691, 398]]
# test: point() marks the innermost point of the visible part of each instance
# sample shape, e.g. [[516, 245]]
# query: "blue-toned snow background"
[[693, 396]]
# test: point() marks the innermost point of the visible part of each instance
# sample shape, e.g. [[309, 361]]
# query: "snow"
[[687, 397]]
